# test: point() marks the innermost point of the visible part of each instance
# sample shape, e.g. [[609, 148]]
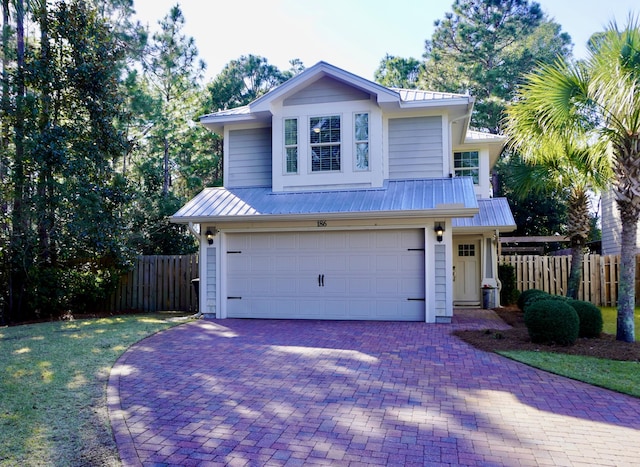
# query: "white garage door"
[[354, 275]]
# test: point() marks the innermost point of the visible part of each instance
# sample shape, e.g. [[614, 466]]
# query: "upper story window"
[[291, 145], [324, 138], [361, 137], [466, 164]]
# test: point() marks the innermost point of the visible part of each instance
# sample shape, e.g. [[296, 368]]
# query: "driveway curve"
[[287, 393]]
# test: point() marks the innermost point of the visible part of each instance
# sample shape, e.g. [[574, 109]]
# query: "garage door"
[[354, 275]]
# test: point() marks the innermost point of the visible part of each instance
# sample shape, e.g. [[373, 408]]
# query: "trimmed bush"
[[590, 318], [526, 294], [538, 297], [552, 322]]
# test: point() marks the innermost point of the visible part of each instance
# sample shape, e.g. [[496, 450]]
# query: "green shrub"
[[508, 293], [590, 318], [524, 296], [538, 297], [552, 322]]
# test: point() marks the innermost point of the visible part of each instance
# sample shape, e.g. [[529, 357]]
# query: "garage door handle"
[[322, 279]]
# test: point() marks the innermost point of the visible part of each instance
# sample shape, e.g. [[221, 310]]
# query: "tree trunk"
[[625, 330], [19, 224], [575, 272], [165, 167], [578, 227]]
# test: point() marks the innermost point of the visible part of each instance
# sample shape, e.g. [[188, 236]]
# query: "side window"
[[466, 164], [291, 145], [361, 138], [324, 138]]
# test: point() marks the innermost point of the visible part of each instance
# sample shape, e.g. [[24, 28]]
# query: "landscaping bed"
[[517, 338]]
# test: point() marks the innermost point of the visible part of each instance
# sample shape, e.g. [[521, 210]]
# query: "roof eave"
[[438, 212]]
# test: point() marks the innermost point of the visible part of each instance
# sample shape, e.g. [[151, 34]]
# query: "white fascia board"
[[320, 70], [485, 229], [443, 212]]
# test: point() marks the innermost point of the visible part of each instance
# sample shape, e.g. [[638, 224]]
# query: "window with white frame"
[[361, 137], [466, 164], [324, 139], [291, 145]]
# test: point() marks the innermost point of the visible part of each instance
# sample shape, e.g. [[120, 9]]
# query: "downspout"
[[192, 229]]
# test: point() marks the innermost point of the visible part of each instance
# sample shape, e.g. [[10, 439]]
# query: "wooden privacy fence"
[[551, 273], [157, 283], [162, 283]]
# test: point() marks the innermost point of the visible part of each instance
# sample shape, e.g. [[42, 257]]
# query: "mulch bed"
[[517, 338]]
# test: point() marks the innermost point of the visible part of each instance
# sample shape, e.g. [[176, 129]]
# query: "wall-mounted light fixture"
[[439, 230], [211, 233]]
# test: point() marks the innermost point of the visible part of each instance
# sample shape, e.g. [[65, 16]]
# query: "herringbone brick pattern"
[[289, 393]]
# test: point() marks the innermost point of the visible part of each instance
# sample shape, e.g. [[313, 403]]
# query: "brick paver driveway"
[[250, 392]]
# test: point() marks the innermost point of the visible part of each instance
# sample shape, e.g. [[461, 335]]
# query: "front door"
[[466, 272]]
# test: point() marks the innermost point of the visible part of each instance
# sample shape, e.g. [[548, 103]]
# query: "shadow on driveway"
[[267, 392]]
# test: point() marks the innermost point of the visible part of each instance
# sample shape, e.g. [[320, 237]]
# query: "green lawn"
[[609, 316], [53, 388], [619, 376]]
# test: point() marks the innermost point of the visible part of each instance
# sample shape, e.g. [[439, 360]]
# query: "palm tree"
[[599, 100], [543, 166]]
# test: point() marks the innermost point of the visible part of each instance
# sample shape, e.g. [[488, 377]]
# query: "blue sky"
[[351, 34]]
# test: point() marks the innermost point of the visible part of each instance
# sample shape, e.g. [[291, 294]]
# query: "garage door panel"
[[285, 263], [367, 275]]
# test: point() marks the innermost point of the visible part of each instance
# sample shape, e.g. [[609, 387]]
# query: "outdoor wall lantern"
[[210, 235], [439, 230]]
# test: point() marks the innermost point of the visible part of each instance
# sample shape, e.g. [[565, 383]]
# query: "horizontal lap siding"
[[249, 158], [324, 91], [415, 148]]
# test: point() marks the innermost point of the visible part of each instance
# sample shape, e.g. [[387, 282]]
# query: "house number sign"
[[322, 223]]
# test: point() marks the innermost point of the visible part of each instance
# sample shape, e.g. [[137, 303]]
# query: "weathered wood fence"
[[551, 273], [157, 283]]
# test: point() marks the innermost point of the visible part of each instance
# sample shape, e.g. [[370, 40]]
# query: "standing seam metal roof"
[[396, 196]]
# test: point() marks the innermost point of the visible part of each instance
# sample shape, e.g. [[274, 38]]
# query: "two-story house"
[[344, 199]]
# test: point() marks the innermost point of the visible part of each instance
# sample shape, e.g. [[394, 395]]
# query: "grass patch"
[[610, 318], [53, 388], [618, 376]]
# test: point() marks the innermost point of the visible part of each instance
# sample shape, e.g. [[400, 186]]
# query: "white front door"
[[466, 271], [349, 275]]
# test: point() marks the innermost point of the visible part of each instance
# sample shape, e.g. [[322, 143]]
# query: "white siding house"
[[344, 199]]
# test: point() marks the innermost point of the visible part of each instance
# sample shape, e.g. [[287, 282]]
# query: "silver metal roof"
[[417, 95], [446, 197], [494, 213]]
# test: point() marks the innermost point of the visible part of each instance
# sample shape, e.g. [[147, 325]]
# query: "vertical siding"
[[211, 292], [326, 90], [415, 148], [249, 158]]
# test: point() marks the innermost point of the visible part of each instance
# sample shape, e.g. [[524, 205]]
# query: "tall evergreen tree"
[[484, 46]]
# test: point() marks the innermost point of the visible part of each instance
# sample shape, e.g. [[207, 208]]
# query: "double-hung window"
[[361, 137], [291, 145], [324, 139], [466, 164]]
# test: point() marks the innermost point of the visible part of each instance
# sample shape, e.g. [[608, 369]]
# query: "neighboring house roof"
[[493, 212], [446, 197]]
